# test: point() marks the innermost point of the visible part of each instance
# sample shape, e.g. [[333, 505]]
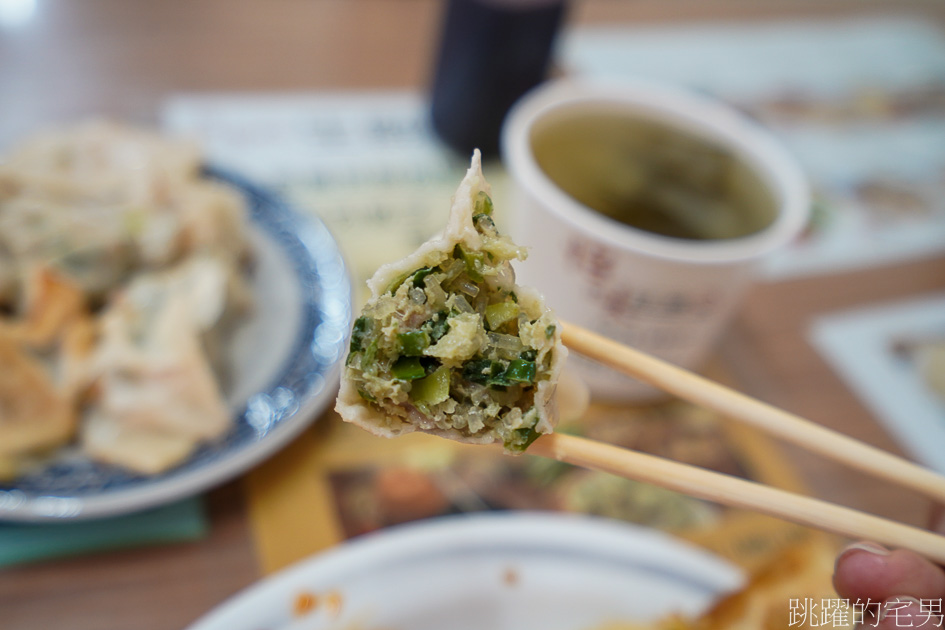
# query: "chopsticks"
[[735, 492], [732, 491], [742, 408]]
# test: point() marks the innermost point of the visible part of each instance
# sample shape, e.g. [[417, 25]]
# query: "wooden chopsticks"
[[736, 406], [735, 492], [732, 491]]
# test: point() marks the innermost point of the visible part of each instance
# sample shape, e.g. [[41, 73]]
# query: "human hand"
[[900, 588]]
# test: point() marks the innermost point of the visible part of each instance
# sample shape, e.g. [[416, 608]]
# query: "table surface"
[[122, 58]]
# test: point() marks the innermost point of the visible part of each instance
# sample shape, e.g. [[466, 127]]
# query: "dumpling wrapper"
[[143, 449], [156, 395], [34, 414], [39, 354], [398, 286]]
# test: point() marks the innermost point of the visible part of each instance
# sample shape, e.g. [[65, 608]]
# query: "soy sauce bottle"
[[491, 52]]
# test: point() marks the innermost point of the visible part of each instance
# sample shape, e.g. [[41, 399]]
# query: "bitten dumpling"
[[448, 343]]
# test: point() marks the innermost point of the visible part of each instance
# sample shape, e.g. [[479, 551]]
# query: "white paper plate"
[[486, 571], [284, 368]]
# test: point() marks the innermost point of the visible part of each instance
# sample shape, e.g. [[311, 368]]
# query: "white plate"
[[284, 368], [487, 571]]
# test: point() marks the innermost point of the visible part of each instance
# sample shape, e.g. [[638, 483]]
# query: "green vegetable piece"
[[483, 204], [370, 354], [498, 314], [419, 275], [413, 343], [437, 326], [408, 369], [520, 371], [366, 396], [473, 261], [484, 224], [432, 389], [523, 439], [475, 266], [529, 355], [477, 370], [485, 372], [360, 332], [399, 280], [550, 331]]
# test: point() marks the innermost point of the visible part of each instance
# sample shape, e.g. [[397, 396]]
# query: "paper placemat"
[[893, 357], [338, 482]]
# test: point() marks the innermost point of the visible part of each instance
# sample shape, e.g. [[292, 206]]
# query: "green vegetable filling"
[[363, 329], [413, 343], [408, 369], [437, 326], [433, 389], [499, 373], [523, 439], [474, 261], [483, 204], [416, 276], [400, 363], [520, 371], [501, 313], [369, 356]]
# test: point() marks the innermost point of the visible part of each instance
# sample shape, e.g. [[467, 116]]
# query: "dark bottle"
[[491, 52]]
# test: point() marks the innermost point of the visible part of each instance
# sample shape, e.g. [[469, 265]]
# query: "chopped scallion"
[[520, 371], [483, 204], [498, 314], [413, 343], [362, 330], [408, 369], [432, 389]]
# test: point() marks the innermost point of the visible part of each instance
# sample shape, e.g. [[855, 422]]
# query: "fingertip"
[[859, 569], [863, 545], [874, 573]]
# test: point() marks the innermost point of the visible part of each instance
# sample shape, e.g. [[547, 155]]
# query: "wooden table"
[[121, 58]]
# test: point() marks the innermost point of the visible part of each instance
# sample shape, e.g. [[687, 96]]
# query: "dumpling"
[[35, 415], [157, 397], [448, 343], [41, 354]]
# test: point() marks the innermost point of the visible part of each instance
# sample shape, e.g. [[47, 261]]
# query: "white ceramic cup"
[[665, 296]]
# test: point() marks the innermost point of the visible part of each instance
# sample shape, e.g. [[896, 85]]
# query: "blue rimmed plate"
[[502, 571], [284, 364]]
